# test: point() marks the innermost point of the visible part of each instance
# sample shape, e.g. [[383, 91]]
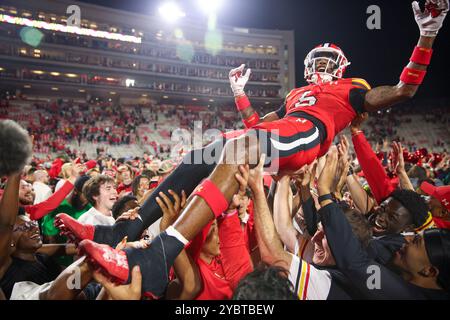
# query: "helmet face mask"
[[318, 72]]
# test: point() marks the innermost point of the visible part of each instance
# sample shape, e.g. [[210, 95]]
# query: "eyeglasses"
[[27, 225]]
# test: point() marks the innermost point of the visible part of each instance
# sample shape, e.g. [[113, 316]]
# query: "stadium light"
[[210, 6], [129, 82], [33, 37], [171, 12]]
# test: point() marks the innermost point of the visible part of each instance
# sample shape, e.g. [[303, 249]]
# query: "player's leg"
[[196, 166], [209, 201], [189, 173]]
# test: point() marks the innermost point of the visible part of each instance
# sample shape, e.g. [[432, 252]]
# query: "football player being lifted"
[[299, 132]]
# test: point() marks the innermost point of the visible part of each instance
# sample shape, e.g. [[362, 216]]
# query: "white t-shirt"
[[58, 186], [309, 282], [95, 217], [304, 249], [27, 290], [42, 191]]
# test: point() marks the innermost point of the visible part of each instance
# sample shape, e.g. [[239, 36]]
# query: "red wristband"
[[212, 196], [412, 76], [421, 56], [354, 134], [242, 102], [252, 120]]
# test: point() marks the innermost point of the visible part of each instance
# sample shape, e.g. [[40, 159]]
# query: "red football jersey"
[[330, 102]]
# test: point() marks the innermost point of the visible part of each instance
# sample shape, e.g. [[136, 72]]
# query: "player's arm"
[[250, 117], [430, 21]]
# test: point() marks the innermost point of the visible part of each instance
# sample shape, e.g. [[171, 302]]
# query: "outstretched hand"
[[327, 182], [130, 291], [430, 20], [357, 122], [238, 79], [305, 177], [131, 214], [255, 175], [171, 210], [397, 160], [343, 165]]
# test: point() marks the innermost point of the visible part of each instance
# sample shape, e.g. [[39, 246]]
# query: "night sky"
[[376, 55]]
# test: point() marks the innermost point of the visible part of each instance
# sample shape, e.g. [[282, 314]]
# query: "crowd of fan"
[[384, 125], [59, 123]]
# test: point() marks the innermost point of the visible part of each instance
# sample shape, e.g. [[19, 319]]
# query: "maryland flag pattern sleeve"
[[309, 282]]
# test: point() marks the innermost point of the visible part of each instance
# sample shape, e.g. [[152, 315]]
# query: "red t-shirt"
[[215, 285], [220, 277], [441, 223], [126, 188]]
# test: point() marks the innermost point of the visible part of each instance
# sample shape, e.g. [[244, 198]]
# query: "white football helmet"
[[335, 66]]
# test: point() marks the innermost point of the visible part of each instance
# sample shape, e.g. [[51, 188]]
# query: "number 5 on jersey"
[[306, 100]]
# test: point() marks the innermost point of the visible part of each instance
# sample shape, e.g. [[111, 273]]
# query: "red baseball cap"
[[90, 164], [440, 193]]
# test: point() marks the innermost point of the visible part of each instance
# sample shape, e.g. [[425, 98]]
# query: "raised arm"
[[282, 214], [376, 176], [250, 117], [39, 210], [362, 200], [270, 246], [398, 166], [350, 257], [305, 182], [429, 21], [9, 206]]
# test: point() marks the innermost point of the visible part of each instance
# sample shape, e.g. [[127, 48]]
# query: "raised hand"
[[343, 147], [238, 79], [242, 178], [357, 122], [131, 214], [305, 178], [254, 177], [343, 165], [397, 161], [326, 183], [171, 210], [430, 20], [130, 291]]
